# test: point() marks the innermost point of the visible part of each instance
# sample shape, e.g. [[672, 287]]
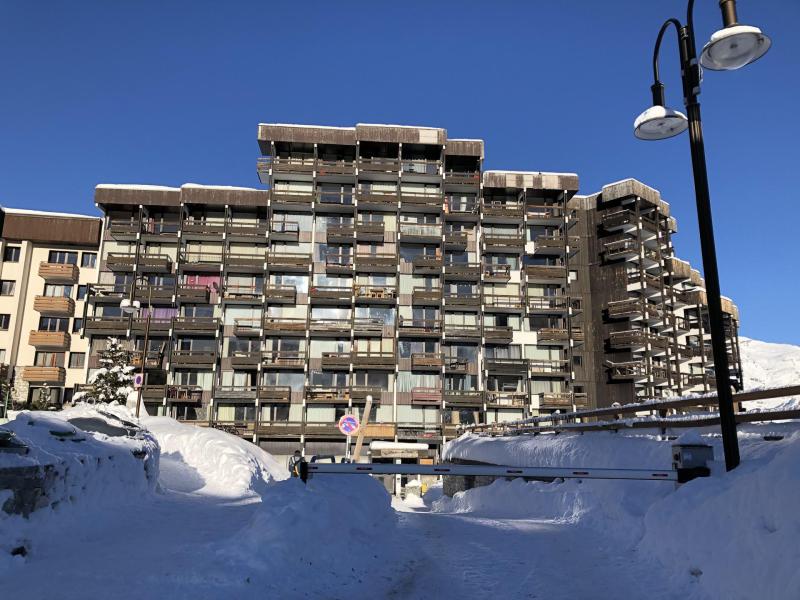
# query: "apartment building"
[[48, 262], [382, 260]]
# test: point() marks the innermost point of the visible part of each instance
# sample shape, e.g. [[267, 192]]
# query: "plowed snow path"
[[462, 556]]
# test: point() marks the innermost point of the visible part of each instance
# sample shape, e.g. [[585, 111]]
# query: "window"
[[5, 320], [57, 290], [89, 260], [77, 324], [48, 359], [62, 257], [7, 287], [11, 254], [2, 357], [53, 324], [76, 360], [82, 292], [577, 361]]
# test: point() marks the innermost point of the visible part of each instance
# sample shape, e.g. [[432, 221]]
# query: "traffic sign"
[[138, 380], [348, 424]]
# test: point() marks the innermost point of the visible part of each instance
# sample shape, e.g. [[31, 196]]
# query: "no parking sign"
[[348, 424]]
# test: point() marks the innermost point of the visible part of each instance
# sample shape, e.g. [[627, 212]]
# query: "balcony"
[[334, 202], [421, 203], [375, 294], [456, 240], [426, 396], [280, 429], [555, 243], [369, 327], [154, 393], [58, 306], [153, 359], [285, 326], [184, 394], [247, 230], [626, 248], [495, 240], [545, 214], [427, 264], [514, 366], [201, 261], [461, 208], [454, 365], [159, 293], [466, 398], [422, 296], [462, 177], [339, 361], [330, 295], [379, 165], [421, 167], [245, 263], [421, 233], [193, 293], [293, 164], [634, 338], [280, 294], [620, 219], [330, 327], [553, 335], [120, 262], [58, 273], [244, 359], [201, 229], [462, 271], [559, 304], [562, 400], [275, 393], [284, 231], [370, 231], [378, 200], [468, 301], [496, 399], [106, 325], [679, 270], [320, 394], [339, 262], [634, 309], [244, 294], [335, 167], [284, 359], [294, 262], [157, 325], [247, 328], [342, 233], [427, 361], [154, 263], [359, 393], [462, 331], [502, 210], [49, 375], [123, 229], [198, 325], [201, 359], [504, 303], [380, 430], [645, 281], [497, 334], [111, 292], [322, 430], [626, 371], [496, 273], [57, 340], [545, 273], [382, 361], [236, 392], [376, 263], [549, 368], [420, 327]]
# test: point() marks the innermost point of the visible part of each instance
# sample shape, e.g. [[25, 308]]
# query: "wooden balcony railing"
[[427, 360], [426, 395], [58, 272], [54, 305], [497, 399], [49, 339]]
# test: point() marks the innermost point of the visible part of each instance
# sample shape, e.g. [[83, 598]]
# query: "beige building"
[[48, 262]]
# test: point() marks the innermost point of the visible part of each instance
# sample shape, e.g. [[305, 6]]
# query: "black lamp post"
[[730, 48]]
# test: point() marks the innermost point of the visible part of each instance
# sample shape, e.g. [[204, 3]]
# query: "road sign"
[[138, 380], [348, 424]]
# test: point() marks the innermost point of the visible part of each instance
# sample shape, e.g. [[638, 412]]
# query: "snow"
[[219, 187], [504, 172], [136, 186], [306, 126], [687, 530], [765, 364], [46, 213]]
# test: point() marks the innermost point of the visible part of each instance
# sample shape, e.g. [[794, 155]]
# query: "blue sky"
[[171, 92]]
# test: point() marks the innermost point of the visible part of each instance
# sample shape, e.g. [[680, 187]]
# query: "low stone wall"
[[29, 486]]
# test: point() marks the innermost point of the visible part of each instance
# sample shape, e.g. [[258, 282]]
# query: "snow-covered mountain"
[[770, 365]]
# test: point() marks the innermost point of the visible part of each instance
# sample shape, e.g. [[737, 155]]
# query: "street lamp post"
[[730, 48]]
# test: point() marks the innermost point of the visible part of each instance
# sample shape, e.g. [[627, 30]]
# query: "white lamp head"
[[129, 307], [659, 123], [734, 47]]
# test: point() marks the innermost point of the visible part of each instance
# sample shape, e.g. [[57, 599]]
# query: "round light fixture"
[[659, 123], [734, 47]]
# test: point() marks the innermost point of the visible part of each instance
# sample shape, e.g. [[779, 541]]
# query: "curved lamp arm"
[[658, 88]]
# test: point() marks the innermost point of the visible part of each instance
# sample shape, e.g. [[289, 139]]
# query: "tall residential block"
[[48, 262], [382, 261]]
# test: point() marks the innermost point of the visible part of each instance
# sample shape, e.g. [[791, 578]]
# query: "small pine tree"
[[113, 381]]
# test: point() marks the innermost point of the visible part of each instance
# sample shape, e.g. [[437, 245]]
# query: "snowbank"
[[735, 535], [210, 461]]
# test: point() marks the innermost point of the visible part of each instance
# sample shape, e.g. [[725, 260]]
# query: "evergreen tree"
[[113, 381]]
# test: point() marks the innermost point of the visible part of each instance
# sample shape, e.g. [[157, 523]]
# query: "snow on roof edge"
[[135, 186], [504, 172], [46, 213]]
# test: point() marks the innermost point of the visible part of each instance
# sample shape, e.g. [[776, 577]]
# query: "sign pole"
[[364, 421]]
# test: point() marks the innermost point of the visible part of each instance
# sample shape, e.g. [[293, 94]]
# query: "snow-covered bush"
[[113, 381]]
